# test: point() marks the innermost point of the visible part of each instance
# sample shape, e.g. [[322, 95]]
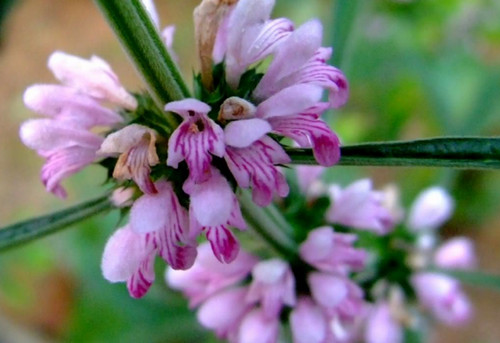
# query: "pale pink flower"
[[273, 285], [307, 322], [122, 197], [300, 59], [135, 145], [64, 138], [359, 206], [196, 138], [456, 252], [382, 327], [224, 311], [333, 252], [214, 208], [129, 257], [247, 36], [208, 275], [256, 326], [93, 77], [158, 225], [336, 295], [294, 112], [430, 209], [308, 180], [443, 296]]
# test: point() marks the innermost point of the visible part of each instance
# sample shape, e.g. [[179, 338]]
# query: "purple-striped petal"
[[225, 245], [294, 52], [195, 139], [308, 131], [254, 167], [63, 163]]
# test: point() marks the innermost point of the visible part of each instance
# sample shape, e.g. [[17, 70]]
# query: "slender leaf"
[[34, 228], [344, 14], [474, 277], [140, 39], [455, 152]]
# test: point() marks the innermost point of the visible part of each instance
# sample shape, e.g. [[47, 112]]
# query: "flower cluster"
[[341, 286], [324, 308], [229, 136]]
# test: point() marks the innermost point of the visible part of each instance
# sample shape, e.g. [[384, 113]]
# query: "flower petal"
[[290, 101], [93, 77], [242, 133], [122, 255]]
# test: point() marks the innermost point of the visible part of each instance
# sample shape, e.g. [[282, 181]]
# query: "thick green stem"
[[267, 226], [26, 231], [454, 152], [140, 39]]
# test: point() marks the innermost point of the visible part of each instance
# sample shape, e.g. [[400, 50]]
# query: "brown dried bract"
[[208, 16]]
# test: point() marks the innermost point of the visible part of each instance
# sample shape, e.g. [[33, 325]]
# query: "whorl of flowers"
[[228, 137]]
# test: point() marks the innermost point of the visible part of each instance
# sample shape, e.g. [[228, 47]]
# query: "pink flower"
[[308, 179], [300, 59], [443, 296], [256, 326], [294, 112], [457, 252], [381, 327], [224, 311], [196, 138], [64, 138], [135, 145], [336, 295], [273, 285], [129, 257], [158, 225], [254, 166], [208, 275], [307, 322], [213, 208], [333, 252], [430, 209], [93, 77], [248, 36], [359, 206]]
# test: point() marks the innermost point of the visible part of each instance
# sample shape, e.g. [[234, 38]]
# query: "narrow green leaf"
[[473, 277], [140, 39], [34, 228], [454, 152], [344, 14]]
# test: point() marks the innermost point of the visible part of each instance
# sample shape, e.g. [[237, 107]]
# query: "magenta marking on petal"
[[140, 281], [308, 131], [254, 166], [224, 245]]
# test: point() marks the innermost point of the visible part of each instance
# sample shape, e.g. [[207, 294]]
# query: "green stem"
[[266, 226], [140, 39], [472, 277], [34, 228], [454, 152]]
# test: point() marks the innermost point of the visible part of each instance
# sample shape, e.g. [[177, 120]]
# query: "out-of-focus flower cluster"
[[373, 277]]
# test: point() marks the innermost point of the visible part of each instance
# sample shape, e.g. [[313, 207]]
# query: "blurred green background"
[[416, 68]]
